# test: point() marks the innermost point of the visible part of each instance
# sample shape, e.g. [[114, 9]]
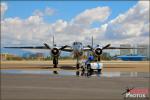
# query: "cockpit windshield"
[[77, 43]]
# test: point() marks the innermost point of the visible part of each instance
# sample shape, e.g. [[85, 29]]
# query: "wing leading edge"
[[30, 47], [123, 48]]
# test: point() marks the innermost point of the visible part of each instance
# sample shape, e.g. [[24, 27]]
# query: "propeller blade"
[[63, 47], [106, 46], [47, 46]]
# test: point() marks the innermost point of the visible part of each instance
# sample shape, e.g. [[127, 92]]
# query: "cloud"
[[38, 13], [4, 8], [78, 29], [30, 30], [59, 25], [89, 16], [129, 27], [133, 23], [49, 11], [46, 12]]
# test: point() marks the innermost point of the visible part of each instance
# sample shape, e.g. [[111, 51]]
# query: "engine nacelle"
[[97, 51], [55, 52]]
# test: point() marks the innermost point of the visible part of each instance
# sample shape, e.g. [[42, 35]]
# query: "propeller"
[[98, 50]]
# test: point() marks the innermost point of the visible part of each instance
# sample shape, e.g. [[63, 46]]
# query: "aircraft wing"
[[123, 48], [46, 46], [86, 49], [68, 49], [29, 47]]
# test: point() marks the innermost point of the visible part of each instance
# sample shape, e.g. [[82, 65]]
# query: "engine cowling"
[[98, 51], [55, 52]]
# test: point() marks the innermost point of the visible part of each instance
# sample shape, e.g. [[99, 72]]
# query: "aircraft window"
[[77, 43]]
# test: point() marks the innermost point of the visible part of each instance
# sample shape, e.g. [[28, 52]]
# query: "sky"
[[35, 22]]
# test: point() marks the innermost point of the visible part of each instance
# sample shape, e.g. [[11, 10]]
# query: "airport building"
[[4, 56], [27, 55], [143, 52], [37, 56], [125, 51], [140, 52]]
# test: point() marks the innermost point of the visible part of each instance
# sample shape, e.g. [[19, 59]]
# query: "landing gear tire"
[[55, 65], [89, 67], [99, 70], [83, 69], [77, 73]]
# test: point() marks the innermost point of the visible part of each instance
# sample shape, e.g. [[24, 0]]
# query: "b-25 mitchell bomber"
[[77, 49]]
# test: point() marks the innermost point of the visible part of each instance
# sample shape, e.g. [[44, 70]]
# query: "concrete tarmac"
[[127, 66], [57, 87], [29, 86]]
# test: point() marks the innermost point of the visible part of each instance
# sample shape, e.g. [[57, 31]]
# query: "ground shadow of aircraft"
[[80, 73]]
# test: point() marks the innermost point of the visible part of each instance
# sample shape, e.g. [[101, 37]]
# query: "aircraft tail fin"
[[53, 41]]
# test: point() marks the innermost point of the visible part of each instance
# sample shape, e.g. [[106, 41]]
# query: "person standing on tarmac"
[[89, 60]]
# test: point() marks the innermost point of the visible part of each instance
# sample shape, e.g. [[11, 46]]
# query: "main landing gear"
[[55, 62], [78, 63], [78, 66]]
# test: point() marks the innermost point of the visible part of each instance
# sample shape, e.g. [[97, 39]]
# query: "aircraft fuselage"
[[77, 49]]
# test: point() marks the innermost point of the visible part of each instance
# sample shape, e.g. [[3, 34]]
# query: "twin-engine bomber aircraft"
[[77, 48]]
